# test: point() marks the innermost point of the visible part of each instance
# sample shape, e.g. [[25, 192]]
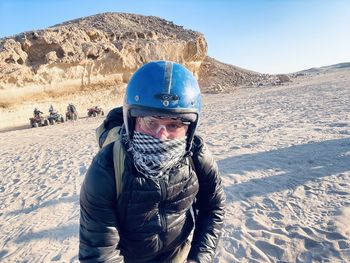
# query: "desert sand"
[[284, 156]]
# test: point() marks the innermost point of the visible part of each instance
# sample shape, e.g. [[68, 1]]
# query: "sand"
[[284, 156]]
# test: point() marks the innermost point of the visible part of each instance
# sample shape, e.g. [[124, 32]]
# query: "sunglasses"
[[155, 124]]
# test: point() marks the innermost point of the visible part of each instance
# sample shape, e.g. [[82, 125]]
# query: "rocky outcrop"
[[102, 50], [218, 77]]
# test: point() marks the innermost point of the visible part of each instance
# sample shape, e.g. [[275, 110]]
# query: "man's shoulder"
[[198, 143], [104, 157], [114, 118], [201, 154], [101, 171]]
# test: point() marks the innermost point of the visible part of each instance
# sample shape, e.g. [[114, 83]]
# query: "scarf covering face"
[[154, 157]]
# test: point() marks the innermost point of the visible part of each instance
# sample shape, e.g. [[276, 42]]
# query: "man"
[[71, 108], [171, 208], [71, 113], [52, 111], [37, 113]]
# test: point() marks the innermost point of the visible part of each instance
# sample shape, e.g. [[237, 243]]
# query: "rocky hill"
[[100, 50], [218, 77], [89, 60]]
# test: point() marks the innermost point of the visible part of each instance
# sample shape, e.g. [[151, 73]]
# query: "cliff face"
[[99, 50]]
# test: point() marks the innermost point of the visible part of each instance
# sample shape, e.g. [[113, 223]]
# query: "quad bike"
[[94, 111], [55, 118], [38, 121], [73, 116]]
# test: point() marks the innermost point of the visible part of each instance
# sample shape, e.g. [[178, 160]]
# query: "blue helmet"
[[162, 88]]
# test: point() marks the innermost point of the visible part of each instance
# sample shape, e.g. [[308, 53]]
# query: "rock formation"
[[101, 50], [218, 77]]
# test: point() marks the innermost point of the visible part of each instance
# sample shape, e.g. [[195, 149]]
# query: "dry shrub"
[[6, 104], [96, 87], [56, 94]]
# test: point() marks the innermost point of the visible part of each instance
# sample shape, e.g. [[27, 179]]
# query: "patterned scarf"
[[153, 157]]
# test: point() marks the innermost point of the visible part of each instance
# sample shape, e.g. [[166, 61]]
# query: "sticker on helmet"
[[167, 98]]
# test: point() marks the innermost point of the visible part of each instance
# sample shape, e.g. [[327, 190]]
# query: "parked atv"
[[55, 118], [94, 111], [72, 116], [38, 121], [71, 113]]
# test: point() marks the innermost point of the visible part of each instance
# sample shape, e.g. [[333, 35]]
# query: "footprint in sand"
[[82, 169], [15, 181], [340, 193], [269, 203], [311, 244], [275, 216], [3, 253], [339, 124], [56, 258], [346, 132], [343, 244], [334, 236], [272, 250]]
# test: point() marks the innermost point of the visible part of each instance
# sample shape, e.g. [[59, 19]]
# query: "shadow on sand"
[[15, 128], [60, 233], [291, 167], [68, 199]]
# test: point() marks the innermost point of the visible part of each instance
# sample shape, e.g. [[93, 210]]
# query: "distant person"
[[37, 113], [71, 108], [171, 207], [52, 111]]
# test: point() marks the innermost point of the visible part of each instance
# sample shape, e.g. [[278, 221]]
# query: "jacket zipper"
[[162, 205]]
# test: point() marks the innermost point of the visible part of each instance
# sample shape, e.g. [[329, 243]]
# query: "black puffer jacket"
[[152, 218]]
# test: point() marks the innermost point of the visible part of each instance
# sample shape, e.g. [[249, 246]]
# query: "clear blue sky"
[[268, 36]]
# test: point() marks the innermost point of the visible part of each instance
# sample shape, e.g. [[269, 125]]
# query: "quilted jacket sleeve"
[[98, 236], [209, 207]]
